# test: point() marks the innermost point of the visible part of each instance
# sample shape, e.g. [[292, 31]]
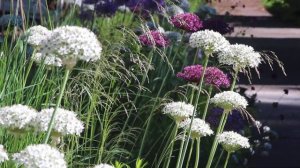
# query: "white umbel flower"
[[240, 56], [232, 141], [36, 34], [47, 60], [65, 122], [40, 156], [209, 41], [16, 117], [199, 127], [104, 165], [3, 154], [229, 100], [178, 110], [72, 43]]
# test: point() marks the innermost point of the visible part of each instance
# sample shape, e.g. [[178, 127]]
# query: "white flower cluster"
[[70, 44], [199, 127], [240, 56], [36, 34], [65, 122], [209, 41], [3, 154], [232, 141], [104, 165], [178, 110], [40, 156], [229, 100], [47, 60], [16, 116]]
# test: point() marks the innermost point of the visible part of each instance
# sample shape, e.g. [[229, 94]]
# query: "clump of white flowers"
[[232, 141], [70, 44], [240, 56], [36, 34], [3, 154], [199, 127], [104, 165], [208, 40], [65, 122], [178, 110], [40, 156], [229, 100], [16, 117], [47, 60]]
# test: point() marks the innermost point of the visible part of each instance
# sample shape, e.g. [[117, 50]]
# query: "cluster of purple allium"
[[213, 75], [235, 121], [154, 38], [145, 5], [217, 25], [191, 73], [187, 21], [103, 7]]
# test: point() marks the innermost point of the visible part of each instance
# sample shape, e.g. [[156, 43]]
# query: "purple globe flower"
[[104, 7], [154, 38], [187, 21], [235, 121], [213, 75], [144, 7], [191, 73], [217, 25]]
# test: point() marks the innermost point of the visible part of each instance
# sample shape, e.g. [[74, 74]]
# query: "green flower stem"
[[221, 125], [180, 150], [172, 146], [207, 102], [197, 153], [227, 159], [219, 159], [206, 58], [62, 90], [190, 153], [214, 146]]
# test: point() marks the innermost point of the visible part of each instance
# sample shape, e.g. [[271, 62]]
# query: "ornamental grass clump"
[[3, 154], [40, 156], [178, 110], [199, 127], [65, 122], [187, 21], [17, 118]]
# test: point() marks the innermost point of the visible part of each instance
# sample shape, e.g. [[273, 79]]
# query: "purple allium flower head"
[[213, 75], [104, 7], [235, 121], [145, 5], [187, 21], [154, 38], [217, 25], [191, 73]]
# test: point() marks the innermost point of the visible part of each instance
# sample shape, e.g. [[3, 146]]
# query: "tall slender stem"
[[62, 90], [219, 159], [227, 158], [190, 153], [207, 102], [197, 153], [206, 57], [172, 146], [180, 150], [221, 126]]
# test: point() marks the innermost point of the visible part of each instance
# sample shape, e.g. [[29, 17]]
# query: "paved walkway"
[[256, 27]]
